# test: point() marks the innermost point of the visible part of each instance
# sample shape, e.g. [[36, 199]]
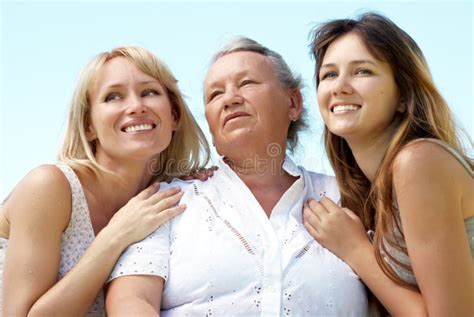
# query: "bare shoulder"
[[426, 172], [44, 193], [427, 159]]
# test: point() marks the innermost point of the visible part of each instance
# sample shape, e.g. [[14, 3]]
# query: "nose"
[[232, 98], [135, 105], [342, 85]]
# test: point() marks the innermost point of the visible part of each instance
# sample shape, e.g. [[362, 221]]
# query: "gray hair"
[[284, 74]]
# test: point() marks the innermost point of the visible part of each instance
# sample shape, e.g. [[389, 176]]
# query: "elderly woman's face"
[[246, 104]]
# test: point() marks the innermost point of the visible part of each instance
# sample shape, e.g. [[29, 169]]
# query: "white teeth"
[[140, 127], [340, 108]]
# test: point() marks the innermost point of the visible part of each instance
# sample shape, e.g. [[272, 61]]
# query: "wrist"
[[361, 251], [114, 240]]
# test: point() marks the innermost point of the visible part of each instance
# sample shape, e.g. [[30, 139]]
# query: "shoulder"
[[43, 193], [427, 160], [47, 178], [427, 171]]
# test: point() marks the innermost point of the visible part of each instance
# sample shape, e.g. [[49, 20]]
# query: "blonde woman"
[[68, 223], [400, 168]]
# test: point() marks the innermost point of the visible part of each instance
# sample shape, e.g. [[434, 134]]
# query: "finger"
[[329, 205], [162, 194], [318, 209], [309, 214], [202, 176], [168, 202], [351, 214], [209, 172], [313, 231], [149, 191], [214, 168], [172, 212]]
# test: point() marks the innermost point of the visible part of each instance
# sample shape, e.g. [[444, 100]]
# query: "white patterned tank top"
[[75, 239]]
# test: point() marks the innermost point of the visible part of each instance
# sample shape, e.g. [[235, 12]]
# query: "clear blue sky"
[[44, 45]]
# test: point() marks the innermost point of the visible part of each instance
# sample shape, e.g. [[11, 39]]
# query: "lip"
[[234, 115], [331, 106], [137, 122]]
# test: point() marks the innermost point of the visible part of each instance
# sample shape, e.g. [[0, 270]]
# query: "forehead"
[[119, 70], [239, 64], [347, 46]]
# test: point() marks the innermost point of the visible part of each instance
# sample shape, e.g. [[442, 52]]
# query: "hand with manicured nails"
[[337, 229], [145, 212], [201, 174]]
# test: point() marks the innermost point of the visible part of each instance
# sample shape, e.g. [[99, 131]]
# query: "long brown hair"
[[427, 116]]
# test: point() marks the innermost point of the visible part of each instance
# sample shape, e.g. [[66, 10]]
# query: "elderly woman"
[[241, 248]]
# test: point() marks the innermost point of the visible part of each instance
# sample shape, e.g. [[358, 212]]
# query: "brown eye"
[[150, 92], [246, 82], [112, 96], [363, 71], [214, 94], [327, 75]]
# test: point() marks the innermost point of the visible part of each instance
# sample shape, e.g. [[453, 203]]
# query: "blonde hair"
[[188, 149]]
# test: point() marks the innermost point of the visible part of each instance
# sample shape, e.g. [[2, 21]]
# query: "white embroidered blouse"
[[223, 256]]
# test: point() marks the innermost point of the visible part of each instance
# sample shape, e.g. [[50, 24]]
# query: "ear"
[[176, 116], [296, 104], [91, 134], [402, 106]]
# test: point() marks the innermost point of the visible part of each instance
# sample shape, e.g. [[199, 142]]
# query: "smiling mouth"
[[344, 108], [139, 128]]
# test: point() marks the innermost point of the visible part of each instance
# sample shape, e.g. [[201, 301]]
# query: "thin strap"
[[79, 203], [453, 152], [70, 175], [77, 191]]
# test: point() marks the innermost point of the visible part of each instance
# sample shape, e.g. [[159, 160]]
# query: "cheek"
[[211, 118], [321, 96]]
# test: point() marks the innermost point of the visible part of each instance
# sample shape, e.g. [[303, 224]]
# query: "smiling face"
[[246, 104], [131, 115], [357, 93]]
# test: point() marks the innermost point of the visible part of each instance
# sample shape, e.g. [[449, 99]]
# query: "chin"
[[342, 132]]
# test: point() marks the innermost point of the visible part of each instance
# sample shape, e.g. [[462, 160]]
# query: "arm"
[[39, 210], [431, 188], [341, 231], [135, 295]]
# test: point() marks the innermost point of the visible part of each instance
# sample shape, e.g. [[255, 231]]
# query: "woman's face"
[[357, 94], [246, 104], [131, 115]]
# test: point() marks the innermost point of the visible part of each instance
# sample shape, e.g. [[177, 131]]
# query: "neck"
[[369, 152], [115, 190], [264, 175]]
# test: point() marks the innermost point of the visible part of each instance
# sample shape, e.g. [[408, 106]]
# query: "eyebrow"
[[214, 83], [355, 62], [142, 83]]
